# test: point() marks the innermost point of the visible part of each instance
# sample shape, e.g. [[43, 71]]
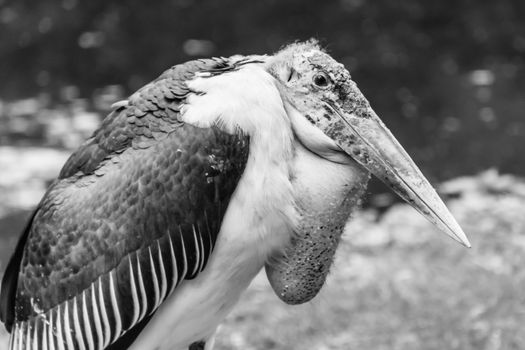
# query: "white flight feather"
[[134, 293], [115, 307], [104, 314], [155, 282], [96, 317], [76, 323], [28, 336], [163, 275], [60, 333], [45, 339], [142, 288], [50, 331], [173, 266], [35, 335], [67, 327], [88, 331]]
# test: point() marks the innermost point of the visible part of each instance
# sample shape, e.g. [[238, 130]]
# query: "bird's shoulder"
[[147, 116]]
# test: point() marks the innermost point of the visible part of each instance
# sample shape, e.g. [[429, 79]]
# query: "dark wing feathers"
[[114, 135], [10, 279], [151, 113], [136, 209]]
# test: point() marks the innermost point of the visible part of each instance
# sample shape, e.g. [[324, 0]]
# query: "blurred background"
[[448, 79]]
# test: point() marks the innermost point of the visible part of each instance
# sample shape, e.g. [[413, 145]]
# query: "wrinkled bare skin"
[[326, 193]]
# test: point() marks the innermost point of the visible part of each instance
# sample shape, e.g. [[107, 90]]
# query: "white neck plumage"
[[248, 100]]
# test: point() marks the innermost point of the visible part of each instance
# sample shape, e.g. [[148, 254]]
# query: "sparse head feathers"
[[311, 81], [300, 47], [309, 57]]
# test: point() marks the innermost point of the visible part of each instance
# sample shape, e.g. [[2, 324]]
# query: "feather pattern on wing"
[[135, 210]]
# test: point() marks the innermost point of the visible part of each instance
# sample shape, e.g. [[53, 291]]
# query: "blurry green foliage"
[[446, 76]]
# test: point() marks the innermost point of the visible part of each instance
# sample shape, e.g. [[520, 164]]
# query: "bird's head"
[[305, 88], [333, 119]]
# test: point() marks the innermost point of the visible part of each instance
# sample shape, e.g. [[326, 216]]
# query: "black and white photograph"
[[262, 175]]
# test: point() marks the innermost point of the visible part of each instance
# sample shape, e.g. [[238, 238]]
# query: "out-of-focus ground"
[[397, 283]]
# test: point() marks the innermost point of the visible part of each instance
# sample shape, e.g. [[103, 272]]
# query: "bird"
[[159, 221]]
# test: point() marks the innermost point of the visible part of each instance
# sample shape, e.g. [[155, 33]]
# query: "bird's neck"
[[261, 210], [261, 214]]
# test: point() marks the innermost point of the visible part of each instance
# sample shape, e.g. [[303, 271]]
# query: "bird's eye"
[[290, 76], [321, 79]]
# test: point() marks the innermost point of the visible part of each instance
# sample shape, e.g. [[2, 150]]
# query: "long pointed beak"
[[365, 138]]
